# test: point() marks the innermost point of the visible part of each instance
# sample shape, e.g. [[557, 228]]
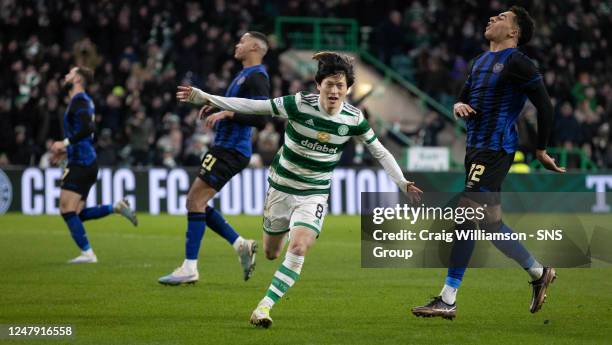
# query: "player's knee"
[[298, 247], [194, 204], [189, 202], [272, 254], [66, 206], [63, 208], [272, 251], [198, 197]]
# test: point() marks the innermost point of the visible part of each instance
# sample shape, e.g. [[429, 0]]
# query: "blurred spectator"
[[578, 91], [45, 159], [196, 150], [110, 112], [566, 131], [390, 32], [167, 157], [106, 149], [23, 153], [141, 135], [432, 126], [436, 79], [4, 161], [170, 146]]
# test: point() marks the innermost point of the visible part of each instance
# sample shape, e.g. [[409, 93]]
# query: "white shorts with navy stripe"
[[283, 211]]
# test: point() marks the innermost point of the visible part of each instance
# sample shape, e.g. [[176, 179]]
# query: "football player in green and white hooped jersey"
[[319, 126]]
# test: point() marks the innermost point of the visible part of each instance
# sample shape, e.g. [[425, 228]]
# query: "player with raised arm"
[[319, 125], [228, 156], [499, 82], [82, 170]]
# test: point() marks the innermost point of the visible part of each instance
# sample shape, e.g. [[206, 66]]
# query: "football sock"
[[454, 276], [284, 278], [536, 270], [238, 243], [218, 224], [196, 225], [449, 294], [190, 265], [95, 212], [460, 255], [77, 231], [515, 250]]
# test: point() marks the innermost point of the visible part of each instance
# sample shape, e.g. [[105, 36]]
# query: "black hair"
[[260, 36], [86, 74], [525, 23], [331, 63]]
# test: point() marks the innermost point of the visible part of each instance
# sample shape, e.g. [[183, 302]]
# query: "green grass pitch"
[[118, 300]]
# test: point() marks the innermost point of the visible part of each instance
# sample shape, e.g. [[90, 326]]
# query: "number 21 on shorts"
[[209, 161], [475, 171]]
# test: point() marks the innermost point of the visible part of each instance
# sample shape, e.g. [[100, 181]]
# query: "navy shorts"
[[80, 178], [485, 171], [220, 164]]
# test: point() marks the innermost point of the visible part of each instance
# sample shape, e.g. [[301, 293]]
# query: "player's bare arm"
[[548, 162], [205, 111], [212, 119], [462, 110]]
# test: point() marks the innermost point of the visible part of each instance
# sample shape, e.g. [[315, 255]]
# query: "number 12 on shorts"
[[475, 171]]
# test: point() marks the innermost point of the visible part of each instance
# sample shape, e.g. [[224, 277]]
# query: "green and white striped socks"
[[284, 278]]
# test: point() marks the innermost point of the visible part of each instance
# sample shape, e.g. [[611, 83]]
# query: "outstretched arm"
[[240, 105]]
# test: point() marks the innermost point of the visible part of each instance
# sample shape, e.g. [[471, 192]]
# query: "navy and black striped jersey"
[[78, 128], [497, 88], [252, 82]]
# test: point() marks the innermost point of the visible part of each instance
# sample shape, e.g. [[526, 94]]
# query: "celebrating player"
[[228, 156], [499, 82], [319, 125], [82, 169]]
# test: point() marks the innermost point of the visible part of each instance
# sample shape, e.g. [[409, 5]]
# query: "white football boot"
[[86, 257], [246, 256], [180, 276], [123, 208]]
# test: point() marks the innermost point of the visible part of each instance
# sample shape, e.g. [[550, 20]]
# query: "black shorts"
[[485, 171], [219, 165], [80, 178]]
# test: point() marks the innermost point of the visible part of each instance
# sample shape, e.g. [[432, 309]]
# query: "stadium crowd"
[[141, 50]]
